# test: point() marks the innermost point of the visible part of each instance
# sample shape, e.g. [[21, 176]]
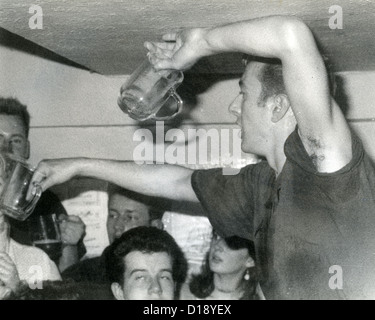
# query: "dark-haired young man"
[[14, 132], [146, 263], [310, 207]]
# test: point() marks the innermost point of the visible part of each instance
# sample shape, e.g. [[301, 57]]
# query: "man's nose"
[[218, 245], [235, 107], [155, 287], [120, 224]]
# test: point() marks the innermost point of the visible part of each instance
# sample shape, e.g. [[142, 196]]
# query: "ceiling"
[[107, 36]]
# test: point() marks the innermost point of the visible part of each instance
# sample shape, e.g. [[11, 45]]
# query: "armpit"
[[314, 148]]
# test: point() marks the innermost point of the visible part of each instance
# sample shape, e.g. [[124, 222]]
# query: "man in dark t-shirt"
[[310, 207]]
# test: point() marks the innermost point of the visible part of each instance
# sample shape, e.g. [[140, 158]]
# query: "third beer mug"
[[148, 90]]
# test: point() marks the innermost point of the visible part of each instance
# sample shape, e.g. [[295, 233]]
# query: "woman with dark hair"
[[229, 272]]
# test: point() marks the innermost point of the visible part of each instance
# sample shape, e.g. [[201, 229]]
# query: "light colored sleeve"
[[33, 264], [50, 270]]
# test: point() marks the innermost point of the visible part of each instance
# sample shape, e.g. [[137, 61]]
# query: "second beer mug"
[[16, 176], [147, 91]]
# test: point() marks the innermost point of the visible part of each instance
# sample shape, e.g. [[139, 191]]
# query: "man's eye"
[[139, 278], [167, 277], [16, 140]]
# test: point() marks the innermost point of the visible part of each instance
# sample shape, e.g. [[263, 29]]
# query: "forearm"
[[269, 37], [166, 181], [69, 257]]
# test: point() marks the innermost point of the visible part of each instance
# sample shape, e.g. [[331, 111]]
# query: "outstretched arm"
[[168, 181], [322, 126]]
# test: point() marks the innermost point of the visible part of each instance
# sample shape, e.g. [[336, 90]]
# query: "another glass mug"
[[16, 175], [45, 234], [147, 91]]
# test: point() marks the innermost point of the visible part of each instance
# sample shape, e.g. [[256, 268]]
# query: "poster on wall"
[[88, 199]]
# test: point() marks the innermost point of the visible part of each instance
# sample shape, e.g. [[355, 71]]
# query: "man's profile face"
[[13, 137], [251, 117], [147, 276], [124, 214]]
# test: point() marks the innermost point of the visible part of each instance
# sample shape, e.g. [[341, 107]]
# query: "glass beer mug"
[[148, 90], [16, 176]]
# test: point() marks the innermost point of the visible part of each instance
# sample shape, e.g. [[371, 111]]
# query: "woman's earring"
[[247, 275]]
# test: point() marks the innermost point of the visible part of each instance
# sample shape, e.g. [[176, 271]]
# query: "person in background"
[[126, 210], [14, 131], [146, 263], [20, 264], [229, 272]]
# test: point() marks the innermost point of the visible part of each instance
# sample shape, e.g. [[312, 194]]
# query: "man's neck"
[[276, 157], [276, 160]]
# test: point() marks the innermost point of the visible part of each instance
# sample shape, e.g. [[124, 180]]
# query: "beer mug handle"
[[179, 102], [30, 207]]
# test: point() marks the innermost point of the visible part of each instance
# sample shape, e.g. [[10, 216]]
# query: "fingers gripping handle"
[[38, 192]]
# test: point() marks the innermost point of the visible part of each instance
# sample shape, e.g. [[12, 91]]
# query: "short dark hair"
[[272, 81], [155, 210], [12, 107], [145, 240]]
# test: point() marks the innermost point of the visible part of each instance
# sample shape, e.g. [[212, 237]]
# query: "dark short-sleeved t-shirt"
[[314, 232], [88, 270]]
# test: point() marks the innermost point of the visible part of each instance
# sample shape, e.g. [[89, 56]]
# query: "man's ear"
[[281, 105], [27, 152], [117, 291]]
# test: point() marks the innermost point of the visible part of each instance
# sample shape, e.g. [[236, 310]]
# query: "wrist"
[[203, 44], [81, 166]]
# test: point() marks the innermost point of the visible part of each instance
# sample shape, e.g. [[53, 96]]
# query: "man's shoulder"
[[258, 171], [27, 252]]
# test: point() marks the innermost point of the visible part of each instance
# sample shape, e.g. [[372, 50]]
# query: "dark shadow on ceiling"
[[16, 42]]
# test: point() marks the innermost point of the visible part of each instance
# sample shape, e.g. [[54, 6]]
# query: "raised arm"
[[168, 181], [322, 126]]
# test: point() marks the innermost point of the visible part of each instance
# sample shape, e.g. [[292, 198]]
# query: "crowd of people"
[[279, 225]]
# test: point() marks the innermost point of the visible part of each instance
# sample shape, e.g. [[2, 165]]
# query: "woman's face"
[[223, 260]]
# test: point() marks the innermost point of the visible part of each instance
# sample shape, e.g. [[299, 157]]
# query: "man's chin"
[[245, 147]]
